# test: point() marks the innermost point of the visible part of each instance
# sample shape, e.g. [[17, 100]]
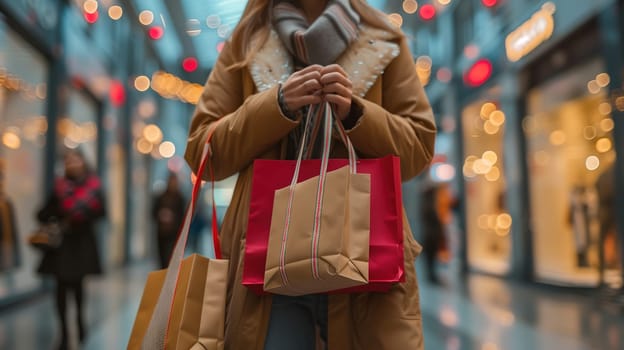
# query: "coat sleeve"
[[403, 125], [247, 127]]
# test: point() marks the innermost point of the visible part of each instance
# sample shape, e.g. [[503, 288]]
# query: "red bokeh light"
[[190, 64], [479, 73], [77, 82], [427, 12], [220, 46], [117, 93], [489, 3], [91, 17], [156, 32]]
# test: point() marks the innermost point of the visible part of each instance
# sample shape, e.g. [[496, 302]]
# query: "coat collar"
[[364, 61]]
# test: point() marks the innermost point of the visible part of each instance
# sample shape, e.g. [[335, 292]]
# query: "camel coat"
[[396, 120]]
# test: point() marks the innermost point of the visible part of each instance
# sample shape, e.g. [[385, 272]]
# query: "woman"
[[77, 203], [266, 75], [168, 212]]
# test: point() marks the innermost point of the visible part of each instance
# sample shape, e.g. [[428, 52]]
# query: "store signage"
[[530, 34]]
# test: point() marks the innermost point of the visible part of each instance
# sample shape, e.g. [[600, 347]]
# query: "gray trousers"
[[294, 321]]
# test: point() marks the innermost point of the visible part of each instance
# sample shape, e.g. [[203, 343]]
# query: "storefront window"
[[570, 160], [78, 128], [488, 222], [23, 74]]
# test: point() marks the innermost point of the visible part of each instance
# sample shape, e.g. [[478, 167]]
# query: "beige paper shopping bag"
[[320, 228], [338, 257], [198, 310]]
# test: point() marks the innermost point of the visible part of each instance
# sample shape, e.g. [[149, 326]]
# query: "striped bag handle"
[[158, 329], [327, 113]]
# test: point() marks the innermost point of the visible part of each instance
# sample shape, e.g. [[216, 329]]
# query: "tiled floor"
[[482, 313]]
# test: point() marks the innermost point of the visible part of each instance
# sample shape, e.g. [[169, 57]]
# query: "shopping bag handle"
[[326, 112], [206, 155], [158, 329]]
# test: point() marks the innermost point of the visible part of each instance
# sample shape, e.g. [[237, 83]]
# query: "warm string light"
[[142, 83], [115, 12], [423, 69], [90, 6], [410, 6], [14, 84], [486, 165], [396, 19], [146, 17], [169, 86]]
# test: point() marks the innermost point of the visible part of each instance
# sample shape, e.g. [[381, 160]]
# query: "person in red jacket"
[[78, 203]]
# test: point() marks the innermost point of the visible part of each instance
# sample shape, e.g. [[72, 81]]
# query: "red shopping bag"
[[386, 226]]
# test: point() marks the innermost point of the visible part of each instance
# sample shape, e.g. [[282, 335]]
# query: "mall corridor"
[[480, 313], [493, 129]]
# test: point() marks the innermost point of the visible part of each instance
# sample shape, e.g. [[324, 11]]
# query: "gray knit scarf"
[[322, 41]]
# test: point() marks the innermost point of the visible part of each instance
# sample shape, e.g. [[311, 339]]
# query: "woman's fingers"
[[338, 89], [302, 88], [333, 68], [315, 84], [308, 69], [300, 78], [310, 87], [335, 77]]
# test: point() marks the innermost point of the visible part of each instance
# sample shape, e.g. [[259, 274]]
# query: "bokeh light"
[[146, 17], [190, 64], [144, 146], [142, 83], [90, 6], [152, 133], [167, 149], [115, 12], [410, 6], [91, 18], [592, 163], [396, 19], [557, 137], [156, 32], [603, 145], [427, 12]]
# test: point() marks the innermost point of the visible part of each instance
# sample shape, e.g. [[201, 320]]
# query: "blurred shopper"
[[9, 249], [605, 186], [436, 215], [168, 212], [77, 202], [583, 208], [283, 57]]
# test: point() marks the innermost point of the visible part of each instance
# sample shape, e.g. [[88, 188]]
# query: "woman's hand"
[[303, 88], [337, 89]]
